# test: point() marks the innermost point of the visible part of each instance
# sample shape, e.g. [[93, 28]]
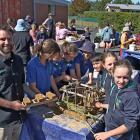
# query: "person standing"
[[106, 36], [11, 89], [125, 39], [23, 41], [49, 24]]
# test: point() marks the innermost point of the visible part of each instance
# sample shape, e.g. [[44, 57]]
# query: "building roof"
[[53, 2], [124, 6]]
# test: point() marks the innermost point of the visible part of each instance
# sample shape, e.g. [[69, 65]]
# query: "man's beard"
[[6, 51]]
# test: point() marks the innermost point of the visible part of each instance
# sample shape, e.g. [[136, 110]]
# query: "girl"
[[123, 107], [69, 51], [39, 69], [33, 32], [62, 32], [109, 59]]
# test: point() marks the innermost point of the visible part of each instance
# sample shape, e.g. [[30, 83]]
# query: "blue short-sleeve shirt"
[[85, 65], [39, 74], [57, 68], [68, 66]]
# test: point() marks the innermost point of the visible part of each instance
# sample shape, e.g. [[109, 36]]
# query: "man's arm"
[[15, 105]]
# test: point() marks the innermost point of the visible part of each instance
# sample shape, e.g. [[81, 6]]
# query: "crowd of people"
[[33, 57]]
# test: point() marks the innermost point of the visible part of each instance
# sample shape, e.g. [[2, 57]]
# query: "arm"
[[101, 105], [54, 86], [63, 77], [34, 88], [125, 40], [117, 131], [73, 74], [15, 105], [45, 22], [78, 72], [90, 81]]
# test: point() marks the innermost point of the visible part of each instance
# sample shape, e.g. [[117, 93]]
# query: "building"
[[122, 8], [38, 9]]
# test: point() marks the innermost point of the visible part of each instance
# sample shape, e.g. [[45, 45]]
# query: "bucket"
[[96, 45], [132, 47]]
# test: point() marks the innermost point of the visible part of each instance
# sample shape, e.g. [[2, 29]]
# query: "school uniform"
[[58, 68], [86, 66], [105, 81], [68, 66], [124, 109], [39, 74]]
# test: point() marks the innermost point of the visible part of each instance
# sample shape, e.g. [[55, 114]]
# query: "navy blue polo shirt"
[[85, 65], [68, 66], [11, 80]]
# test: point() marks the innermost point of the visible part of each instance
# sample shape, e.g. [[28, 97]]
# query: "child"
[[39, 69], [97, 63], [87, 33], [57, 30], [58, 70], [109, 59], [69, 51], [84, 68], [62, 32], [123, 107], [41, 34]]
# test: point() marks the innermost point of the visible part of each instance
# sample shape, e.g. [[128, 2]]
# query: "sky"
[[134, 1]]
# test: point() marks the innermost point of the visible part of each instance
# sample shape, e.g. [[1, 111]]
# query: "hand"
[[98, 105], [17, 105], [132, 39], [101, 136], [89, 83], [58, 95], [66, 78]]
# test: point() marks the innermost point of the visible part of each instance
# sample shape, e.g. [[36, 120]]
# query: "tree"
[[78, 7], [99, 5], [122, 2]]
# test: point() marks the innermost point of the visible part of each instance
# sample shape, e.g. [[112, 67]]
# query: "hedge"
[[118, 19]]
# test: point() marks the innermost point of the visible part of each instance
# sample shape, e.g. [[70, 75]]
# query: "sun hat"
[[21, 25], [126, 29], [88, 46]]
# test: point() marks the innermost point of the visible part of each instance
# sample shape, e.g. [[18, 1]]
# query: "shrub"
[[118, 19]]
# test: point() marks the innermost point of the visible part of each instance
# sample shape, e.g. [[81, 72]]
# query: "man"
[[11, 90], [49, 24]]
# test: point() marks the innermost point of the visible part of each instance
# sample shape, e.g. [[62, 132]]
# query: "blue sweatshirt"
[[124, 109]]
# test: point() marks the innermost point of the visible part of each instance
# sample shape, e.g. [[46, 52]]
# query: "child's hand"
[[101, 136], [98, 105], [66, 78], [89, 83]]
